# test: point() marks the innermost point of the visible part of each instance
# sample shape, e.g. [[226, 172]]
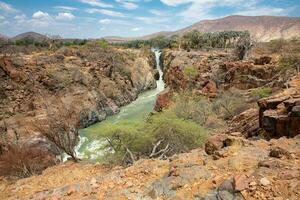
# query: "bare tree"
[[61, 127], [243, 46]]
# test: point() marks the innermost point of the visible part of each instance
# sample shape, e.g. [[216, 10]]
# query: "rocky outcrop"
[[279, 115], [163, 100], [93, 83], [219, 70]]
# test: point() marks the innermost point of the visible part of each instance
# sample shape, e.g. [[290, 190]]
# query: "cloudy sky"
[[98, 18]]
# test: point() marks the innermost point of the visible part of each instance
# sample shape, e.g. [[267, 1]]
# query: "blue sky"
[[98, 18]]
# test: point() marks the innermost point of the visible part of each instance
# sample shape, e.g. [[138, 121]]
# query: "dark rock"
[[214, 143], [278, 152], [262, 60]]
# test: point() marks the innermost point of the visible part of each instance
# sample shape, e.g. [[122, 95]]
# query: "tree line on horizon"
[[192, 40]]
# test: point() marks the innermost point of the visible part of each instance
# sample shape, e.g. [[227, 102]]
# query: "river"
[[89, 146]]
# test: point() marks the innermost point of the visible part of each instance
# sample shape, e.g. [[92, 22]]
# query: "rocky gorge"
[[255, 155], [93, 83]]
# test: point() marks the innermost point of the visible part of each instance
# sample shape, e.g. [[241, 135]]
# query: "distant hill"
[[261, 28], [30, 35]]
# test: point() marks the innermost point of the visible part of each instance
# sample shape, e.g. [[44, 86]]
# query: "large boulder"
[[163, 100], [280, 116]]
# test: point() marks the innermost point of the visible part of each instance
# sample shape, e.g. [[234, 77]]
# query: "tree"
[[61, 128], [159, 136], [243, 46]]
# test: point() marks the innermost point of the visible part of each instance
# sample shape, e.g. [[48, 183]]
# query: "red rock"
[[214, 143], [241, 182], [163, 100]]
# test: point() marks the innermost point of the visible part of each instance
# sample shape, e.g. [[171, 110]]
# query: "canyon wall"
[[93, 83]]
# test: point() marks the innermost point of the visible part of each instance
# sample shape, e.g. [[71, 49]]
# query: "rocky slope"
[[230, 167], [92, 83], [261, 28]]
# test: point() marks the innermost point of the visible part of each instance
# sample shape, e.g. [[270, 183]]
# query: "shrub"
[[191, 107], [61, 128], [289, 61], [161, 135], [243, 46], [179, 134], [190, 72], [261, 92], [229, 104], [22, 161]]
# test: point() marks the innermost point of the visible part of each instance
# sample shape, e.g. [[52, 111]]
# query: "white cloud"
[[20, 17], [40, 15], [202, 9], [177, 2], [152, 20], [136, 29], [105, 21], [159, 13], [7, 7], [68, 8], [41, 19], [65, 16], [1, 17], [105, 12], [128, 4], [97, 3]]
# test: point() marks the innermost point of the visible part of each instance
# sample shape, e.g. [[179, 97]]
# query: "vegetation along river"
[[90, 145]]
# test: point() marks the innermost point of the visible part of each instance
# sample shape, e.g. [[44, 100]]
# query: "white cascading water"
[[160, 83], [90, 146]]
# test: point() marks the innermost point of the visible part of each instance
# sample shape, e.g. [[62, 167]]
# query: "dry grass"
[[20, 161]]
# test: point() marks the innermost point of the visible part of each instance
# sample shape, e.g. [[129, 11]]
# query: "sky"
[[127, 18]]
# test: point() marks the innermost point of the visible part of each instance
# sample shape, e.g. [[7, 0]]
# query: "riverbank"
[[90, 145]]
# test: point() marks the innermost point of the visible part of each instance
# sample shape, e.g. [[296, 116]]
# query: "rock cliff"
[[93, 83]]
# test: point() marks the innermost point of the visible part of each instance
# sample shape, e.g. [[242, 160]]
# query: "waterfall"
[[160, 83], [91, 147]]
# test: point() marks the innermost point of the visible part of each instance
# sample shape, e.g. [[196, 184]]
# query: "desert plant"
[[261, 92], [190, 107], [161, 135], [289, 61], [229, 104], [243, 46], [22, 161], [190, 72], [61, 128]]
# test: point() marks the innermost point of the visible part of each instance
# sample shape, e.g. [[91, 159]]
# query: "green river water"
[[90, 144]]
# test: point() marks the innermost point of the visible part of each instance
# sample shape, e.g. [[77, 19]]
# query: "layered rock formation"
[[279, 115]]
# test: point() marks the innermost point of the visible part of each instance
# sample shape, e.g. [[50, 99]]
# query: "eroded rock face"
[[218, 69], [280, 116], [163, 100], [93, 83]]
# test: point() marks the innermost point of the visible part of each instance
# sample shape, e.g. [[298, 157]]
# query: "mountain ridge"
[[262, 28]]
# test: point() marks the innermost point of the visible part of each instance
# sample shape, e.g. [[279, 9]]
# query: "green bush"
[[261, 92], [190, 72], [161, 135]]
